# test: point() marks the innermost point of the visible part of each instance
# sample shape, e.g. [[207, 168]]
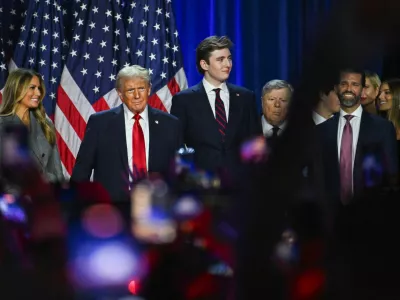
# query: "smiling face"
[[134, 92], [385, 97], [218, 67], [32, 97], [349, 89]]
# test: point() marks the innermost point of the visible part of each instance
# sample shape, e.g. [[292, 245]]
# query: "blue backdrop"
[[269, 36]]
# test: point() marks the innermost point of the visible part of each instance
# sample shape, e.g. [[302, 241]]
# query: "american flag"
[[80, 56], [12, 14], [41, 46], [109, 35], [3, 67], [153, 38]]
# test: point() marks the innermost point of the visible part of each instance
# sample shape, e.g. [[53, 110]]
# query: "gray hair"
[[276, 84], [131, 72]]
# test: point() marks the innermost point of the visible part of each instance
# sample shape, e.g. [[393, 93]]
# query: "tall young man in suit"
[[216, 116], [359, 149], [124, 144]]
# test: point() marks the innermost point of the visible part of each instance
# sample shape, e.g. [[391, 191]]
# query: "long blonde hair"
[[15, 89]]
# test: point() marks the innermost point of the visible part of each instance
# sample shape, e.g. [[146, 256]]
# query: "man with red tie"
[[216, 116], [124, 144], [359, 149]]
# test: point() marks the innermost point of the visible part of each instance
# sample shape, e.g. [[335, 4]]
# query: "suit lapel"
[[234, 113], [203, 107], [364, 126], [117, 131], [39, 145], [154, 137], [332, 136], [362, 137]]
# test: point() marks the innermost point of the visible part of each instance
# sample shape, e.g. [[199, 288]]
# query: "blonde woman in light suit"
[[22, 104]]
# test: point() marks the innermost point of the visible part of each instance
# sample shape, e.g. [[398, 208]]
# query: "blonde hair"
[[374, 78], [15, 89]]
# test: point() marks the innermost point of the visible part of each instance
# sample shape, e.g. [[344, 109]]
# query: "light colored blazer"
[[46, 155]]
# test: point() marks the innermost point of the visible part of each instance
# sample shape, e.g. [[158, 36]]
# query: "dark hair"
[[326, 89], [394, 111], [208, 45], [356, 71]]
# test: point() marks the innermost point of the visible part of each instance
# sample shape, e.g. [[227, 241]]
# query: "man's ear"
[[322, 96], [119, 93], [204, 65]]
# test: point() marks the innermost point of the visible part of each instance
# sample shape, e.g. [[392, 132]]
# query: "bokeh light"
[[133, 287], [187, 206], [105, 264], [102, 221]]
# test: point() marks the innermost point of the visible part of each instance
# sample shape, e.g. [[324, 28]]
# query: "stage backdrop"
[[78, 46], [270, 37]]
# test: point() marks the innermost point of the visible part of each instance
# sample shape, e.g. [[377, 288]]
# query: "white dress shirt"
[[318, 119], [144, 123], [224, 93], [267, 128], [355, 125]]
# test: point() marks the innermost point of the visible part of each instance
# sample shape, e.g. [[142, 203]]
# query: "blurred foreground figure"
[[344, 41], [187, 236], [32, 247]]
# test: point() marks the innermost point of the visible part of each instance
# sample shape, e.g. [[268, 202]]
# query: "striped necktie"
[[220, 115]]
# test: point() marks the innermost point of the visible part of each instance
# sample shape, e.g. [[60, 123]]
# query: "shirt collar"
[[318, 119], [357, 113], [129, 115], [209, 87], [268, 127]]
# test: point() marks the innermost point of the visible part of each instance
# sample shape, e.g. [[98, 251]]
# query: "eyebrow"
[[349, 81], [138, 87], [222, 56]]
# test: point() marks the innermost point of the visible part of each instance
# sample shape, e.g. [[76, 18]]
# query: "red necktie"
[[346, 162], [139, 150], [220, 115]]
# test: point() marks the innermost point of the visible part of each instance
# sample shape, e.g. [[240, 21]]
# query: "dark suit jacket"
[[200, 130], [45, 155], [104, 149], [376, 142]]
